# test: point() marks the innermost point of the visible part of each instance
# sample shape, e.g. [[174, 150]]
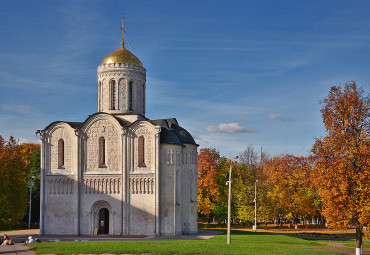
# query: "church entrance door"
[[103, 221]]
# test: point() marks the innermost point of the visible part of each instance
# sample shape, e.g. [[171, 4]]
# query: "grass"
[[365, 244], [242, 242]]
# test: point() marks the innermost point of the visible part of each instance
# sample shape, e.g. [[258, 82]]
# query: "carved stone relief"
[[142, 185], [97, 184], [103, 128], [61, 133], [122, 95], [142, 131], [59, 185]]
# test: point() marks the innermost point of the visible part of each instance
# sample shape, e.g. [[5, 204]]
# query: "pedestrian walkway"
[[20, 236], [18, 248]]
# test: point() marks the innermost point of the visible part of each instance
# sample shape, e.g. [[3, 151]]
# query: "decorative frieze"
[[59, 186], [142, 185], [101, 184]]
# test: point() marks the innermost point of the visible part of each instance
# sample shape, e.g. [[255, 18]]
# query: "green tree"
[[244, 179], [220, 210], [34, 170]]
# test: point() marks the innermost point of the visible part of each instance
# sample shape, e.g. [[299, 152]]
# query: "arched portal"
[[101, 220]]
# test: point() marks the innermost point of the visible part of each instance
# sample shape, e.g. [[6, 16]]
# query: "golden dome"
[[122, 56]]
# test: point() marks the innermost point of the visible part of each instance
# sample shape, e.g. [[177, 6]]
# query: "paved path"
[[20, 236], [18, 248]]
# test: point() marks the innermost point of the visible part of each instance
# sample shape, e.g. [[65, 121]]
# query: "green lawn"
[[365, 244], [242, 242]]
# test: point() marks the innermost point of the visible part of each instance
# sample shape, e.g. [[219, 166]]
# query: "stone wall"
[[103, 128], [122, 74]]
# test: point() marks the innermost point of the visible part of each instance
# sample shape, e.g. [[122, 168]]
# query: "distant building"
[[117, 172]]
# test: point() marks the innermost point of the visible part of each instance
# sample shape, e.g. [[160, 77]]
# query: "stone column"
[[78, 177], [42, 182], [124, 181], [157, 180]]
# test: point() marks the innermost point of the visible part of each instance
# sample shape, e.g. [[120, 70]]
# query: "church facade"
[[118, 172]]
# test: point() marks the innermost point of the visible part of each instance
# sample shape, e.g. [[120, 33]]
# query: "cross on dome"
[[123, 32]]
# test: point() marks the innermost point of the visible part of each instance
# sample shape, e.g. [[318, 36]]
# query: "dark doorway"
[[103, 221]]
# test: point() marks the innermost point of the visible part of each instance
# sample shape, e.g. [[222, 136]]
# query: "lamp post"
[[255, 206], [229, 204], [29, 211]]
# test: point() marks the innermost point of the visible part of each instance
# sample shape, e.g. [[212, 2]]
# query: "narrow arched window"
[[112, 94], [60, 153], [99, 97], [141, 152], [129, 101], [101, 152]]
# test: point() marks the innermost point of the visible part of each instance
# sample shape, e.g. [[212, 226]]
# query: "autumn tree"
[[13, 198], [292, 193], [342, 162], [208, 191], [265, 206]]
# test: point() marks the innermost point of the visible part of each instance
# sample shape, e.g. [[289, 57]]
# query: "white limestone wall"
[[142, 204], [61, 207], [101, 191], [189, 173], [62, 131], [60, 183], [170, 189], [103, 127], [142, 188], [145, 130], [122, 74], [193, 189], [185, 194]]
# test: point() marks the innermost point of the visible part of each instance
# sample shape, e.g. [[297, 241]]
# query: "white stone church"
[[118, 172]]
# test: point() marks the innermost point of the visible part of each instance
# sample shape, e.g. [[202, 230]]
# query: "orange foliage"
[[342, 162], [208, 192], [13, 199], [26, 150], [291, 190]]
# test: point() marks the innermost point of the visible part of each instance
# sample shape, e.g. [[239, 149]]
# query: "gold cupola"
[[122, 56], [121, 83]]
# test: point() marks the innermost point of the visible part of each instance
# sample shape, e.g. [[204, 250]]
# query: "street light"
[[255, 206], [29, 211], [229, 204]]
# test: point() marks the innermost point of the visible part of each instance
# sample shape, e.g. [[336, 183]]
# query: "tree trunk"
[[359, 239]]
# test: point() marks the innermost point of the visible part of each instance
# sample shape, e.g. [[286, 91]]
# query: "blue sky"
[[232, 72]]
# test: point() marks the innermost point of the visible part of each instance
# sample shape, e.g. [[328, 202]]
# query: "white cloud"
[[231, 128], [278, 116]]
